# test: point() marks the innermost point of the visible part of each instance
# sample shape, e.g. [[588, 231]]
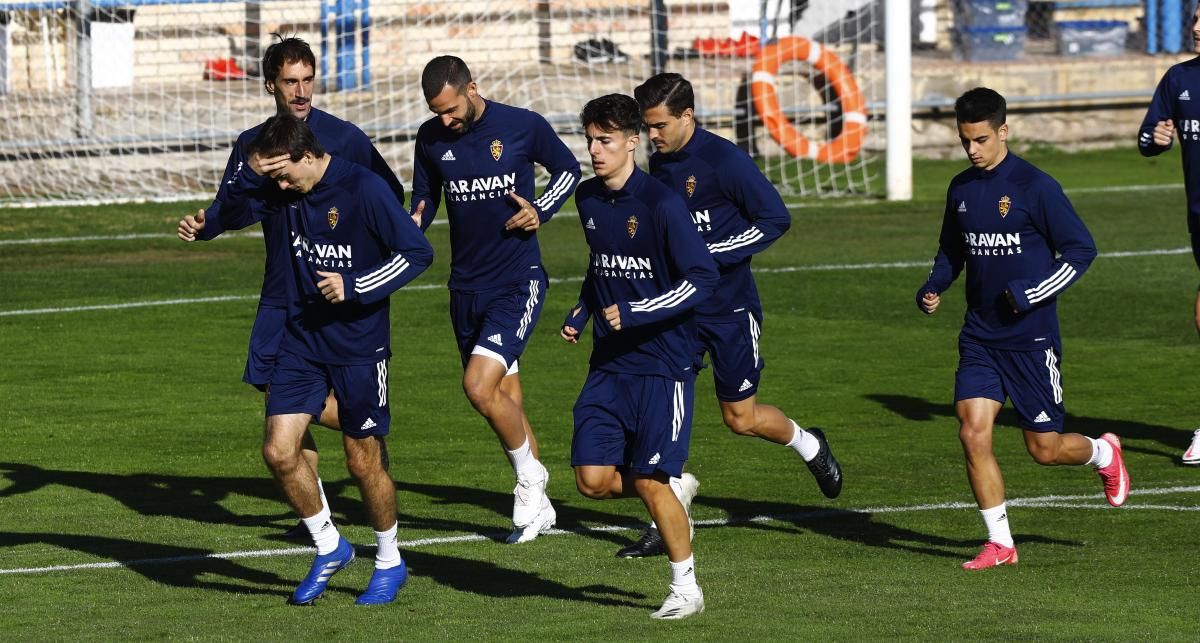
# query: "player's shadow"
[[488, 579], [569, 516], [858, 527], [189, 497], [175, 566], [919, 410]]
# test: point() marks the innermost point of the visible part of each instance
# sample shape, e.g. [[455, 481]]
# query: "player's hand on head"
[[526, 218], [612, 315], [190, 226], [267, 165], [418, 213], [332, 286]]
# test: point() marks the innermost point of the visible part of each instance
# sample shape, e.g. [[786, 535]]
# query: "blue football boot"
[[384, 585], [323, 568]]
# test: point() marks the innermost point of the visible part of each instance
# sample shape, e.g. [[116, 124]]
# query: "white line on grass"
[[1052, 501], [558, 280], [814, 268]]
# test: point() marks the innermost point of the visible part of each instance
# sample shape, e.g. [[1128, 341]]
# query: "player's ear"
[[688, 114], [472, 89], [270, 86], [1003, 132], [632, 143]]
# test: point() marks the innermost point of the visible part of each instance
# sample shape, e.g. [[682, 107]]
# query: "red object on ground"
[[223, 69], [745, 46]]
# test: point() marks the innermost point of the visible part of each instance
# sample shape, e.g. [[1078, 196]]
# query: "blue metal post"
[[1172, 26], [365, 41], [344, 27], [324, 20]]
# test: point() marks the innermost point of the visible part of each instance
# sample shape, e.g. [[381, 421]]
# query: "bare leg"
[[282, 453], [748, 417], [367, 461], [1058, 448], [976, 417], [604, 482], [482, 384], [668, 513]]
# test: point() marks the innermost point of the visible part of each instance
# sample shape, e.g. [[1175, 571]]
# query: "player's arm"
[[743, 184], [1068, 238], [238, 196], [690, 258], [577, 317], [947, 264], [410, 254], [550, 152], [1157, 132], [426, 188]]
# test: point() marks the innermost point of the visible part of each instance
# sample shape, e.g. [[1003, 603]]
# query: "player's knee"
[[1044, 453], [592, 486], [280, 457], [974, 435], [740, 423], [480, 392], [362, 465]]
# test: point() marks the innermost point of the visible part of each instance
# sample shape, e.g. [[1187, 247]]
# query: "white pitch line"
[[558, 280], [1051, 501]]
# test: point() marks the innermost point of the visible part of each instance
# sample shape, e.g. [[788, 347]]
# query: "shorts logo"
[[690, 185], [656, 458], [495, 339], [746, 385], [369, 424], [1041, 418], [631, 226], [332, 217], [1005, 204], [497, 149]]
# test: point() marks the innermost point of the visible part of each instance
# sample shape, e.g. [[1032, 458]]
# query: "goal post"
[[123, 100]]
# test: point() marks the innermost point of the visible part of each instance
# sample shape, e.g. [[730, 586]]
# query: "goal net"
[[104, 100]]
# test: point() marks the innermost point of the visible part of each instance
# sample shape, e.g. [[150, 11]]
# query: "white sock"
[[387, 555], [803, 442], [1102, 454], [996, 520], [324, 500], [324, 533], [683, 576], [522, 459]]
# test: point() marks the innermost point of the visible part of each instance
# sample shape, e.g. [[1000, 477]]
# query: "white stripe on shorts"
[[755, 332], [677, 421], [381, 381], [1055, 377], [530, 305]]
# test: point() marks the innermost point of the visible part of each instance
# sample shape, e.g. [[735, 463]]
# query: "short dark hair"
[[612, 112], [442, 71], [285, 134], [981, 104], [672, 89], [287, 50]]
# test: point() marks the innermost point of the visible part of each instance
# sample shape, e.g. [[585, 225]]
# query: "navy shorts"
[[497, 323], [299, 385], [1031, 379], [642, 422], [264, 344], [733, 349]]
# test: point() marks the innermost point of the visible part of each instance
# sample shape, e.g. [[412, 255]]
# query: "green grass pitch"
[[126, 435]]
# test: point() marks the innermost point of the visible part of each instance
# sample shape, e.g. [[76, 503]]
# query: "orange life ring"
[[842, 149]]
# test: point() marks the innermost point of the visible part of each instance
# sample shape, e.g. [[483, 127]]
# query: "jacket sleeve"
[[410, 254], [1069, 239], [426, 186], [1159, 110], [577, 317], [951, 255], [239, 202], [550, 152], [744, 185], [689, 258]]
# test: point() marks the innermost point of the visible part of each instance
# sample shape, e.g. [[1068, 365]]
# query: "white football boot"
[[532, 511], [679, 606]]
